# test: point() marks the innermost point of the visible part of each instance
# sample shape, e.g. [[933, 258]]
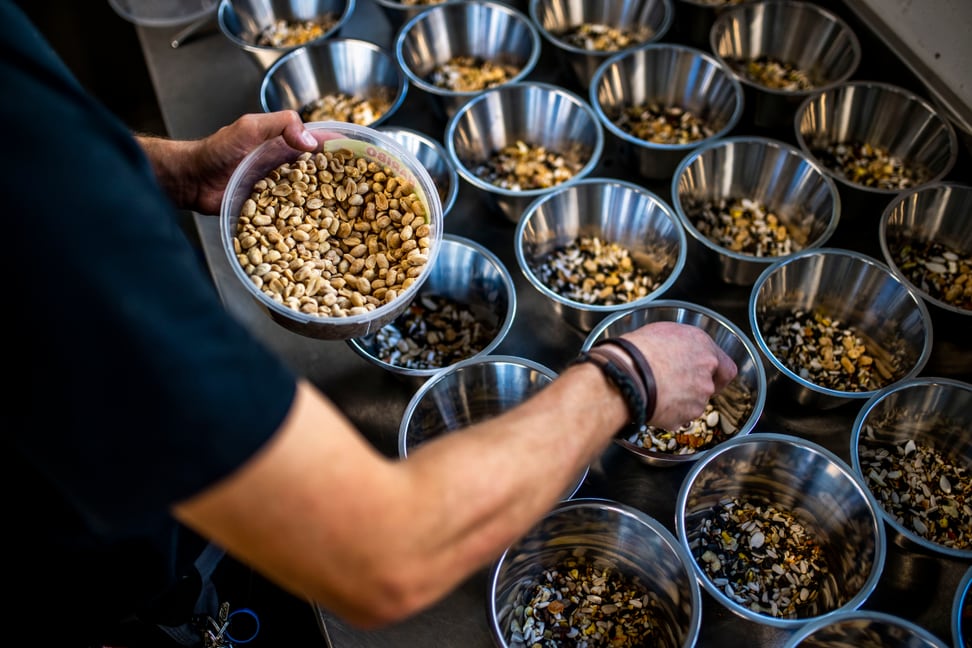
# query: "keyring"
[[247, 612]]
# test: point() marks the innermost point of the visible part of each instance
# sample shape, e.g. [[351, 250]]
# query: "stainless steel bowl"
[[243, 21], [469, 392], [748, 386], [484, 30], [773, 174], [433, 157], [357, 69], [827, 52], [671, 76], [615, 212], [531, 113], [962, 612], [863, 629], [609, 536], [694, 19], [935, 213], [934, 415], [806, 485], [641, 21], [861, 294], [468, 274], [886, 118]]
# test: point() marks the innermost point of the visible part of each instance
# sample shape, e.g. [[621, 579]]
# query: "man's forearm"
[[172, 160]]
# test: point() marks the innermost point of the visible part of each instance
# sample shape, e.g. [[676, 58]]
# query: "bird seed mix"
[[660, 124], [596, 37], [464, 73], [291, 33], [870, 166], [523, 166], [773, 73], [742, 225], [338, 106], [941, 271]]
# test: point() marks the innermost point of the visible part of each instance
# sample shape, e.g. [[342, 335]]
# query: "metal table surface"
[[207, 82]]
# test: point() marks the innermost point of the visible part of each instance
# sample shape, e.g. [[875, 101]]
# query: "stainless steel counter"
[[207, 83]]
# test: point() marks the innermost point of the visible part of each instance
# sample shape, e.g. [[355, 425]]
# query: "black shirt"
[[131, 386]]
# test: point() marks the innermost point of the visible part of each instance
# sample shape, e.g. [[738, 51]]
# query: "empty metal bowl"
[[629, 234], [660, 101], [739, 405], [781, 530], [267, 29], [453, 51], [962, 612], [911, 444], [464, 310], [837, 326], [863, 629], [337, 79], [748, 201], [876, 140], [518, 142], [926, 240], [778, 71], [586, 540], [433, 157], [585, 34], [291, 277], [469, 392]]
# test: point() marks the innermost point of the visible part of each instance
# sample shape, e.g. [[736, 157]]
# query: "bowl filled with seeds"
[[778, 71], [455, 50], [927, 242], [748, 201], [268, 30], [518, 142], [837, 326], [876, 140], [733, 412], [595, 572], [781, 531], [469, 392], [432, 155], [337, 79], [465, 309], [332, 244], [864, 629], [584, 34], [912, 446], [660, 101], [598, 246]]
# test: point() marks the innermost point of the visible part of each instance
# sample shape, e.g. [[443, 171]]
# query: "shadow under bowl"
[[836, 326], [432, 155], [453, 51], [585, 34], [792, 204], [246, 23], [629, 548], [628, 231], [467, 302], [926, 240], [921, 430], [636, 93], [338, 79], [518, 142], [739, 405], [756, 40], [824, 515]]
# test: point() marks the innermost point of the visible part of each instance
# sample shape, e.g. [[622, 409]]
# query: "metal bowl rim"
[[834, 618], [611, 127], [732, 10], [550, 194], [880, 87], [659, 34], [722, 142], [880, 538], [764, 276], [886, 250], [961, 594], [403, 33], [867, 408], [593, 159], [225, 6]]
